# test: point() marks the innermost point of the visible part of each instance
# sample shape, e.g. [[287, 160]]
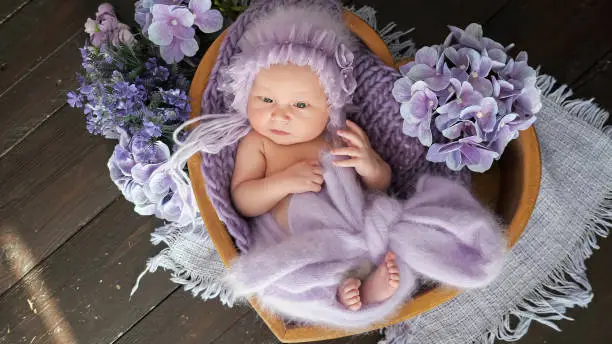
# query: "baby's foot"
[[383, 282], [348, 293]]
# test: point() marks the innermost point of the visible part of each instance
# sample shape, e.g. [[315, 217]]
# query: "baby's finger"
[[317, 170], [351, 137], [348, 151], [356, 129], [314, 187], [317, 179], [346, 163]]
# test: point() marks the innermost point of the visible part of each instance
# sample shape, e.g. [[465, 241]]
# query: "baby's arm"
[[255, 194], [374, 171]]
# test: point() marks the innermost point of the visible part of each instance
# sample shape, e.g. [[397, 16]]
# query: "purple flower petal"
[[421, 72], [402, 90], [159, 33], [189, 47], [438, 82], [209, 22], [405, 68], [172, 52], [427, 56]]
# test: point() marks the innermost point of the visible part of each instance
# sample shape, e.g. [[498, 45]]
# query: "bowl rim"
[[530, 172]]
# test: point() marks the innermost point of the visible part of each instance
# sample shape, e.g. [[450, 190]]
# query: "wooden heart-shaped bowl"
[[509, 188]]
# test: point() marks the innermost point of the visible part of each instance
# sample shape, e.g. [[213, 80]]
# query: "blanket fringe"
[[399, 46], [206, 287], [568, 285]]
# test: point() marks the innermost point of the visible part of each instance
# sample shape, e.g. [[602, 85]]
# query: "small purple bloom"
[[170, 22], [429, 66], [142, 13], [467, 151], [465, 96], [507, 129], [74, 100], [171, 30], [484, 114], [480, 67]]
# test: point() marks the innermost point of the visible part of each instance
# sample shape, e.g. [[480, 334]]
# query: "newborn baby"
[[288, 112]]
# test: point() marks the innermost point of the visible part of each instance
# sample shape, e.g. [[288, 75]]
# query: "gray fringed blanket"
[[543, 275]]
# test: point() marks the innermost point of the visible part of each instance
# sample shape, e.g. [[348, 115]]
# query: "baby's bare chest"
[[280, 157]]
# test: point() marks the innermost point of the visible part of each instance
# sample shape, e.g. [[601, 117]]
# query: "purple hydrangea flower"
[[139, 169], [478, 96], [418, 111], [205, 18]]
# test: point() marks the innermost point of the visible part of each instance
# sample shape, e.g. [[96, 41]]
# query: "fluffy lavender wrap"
[[441, 233]]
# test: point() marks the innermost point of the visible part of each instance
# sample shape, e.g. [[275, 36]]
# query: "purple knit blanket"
[[441, 234], [378, 115]]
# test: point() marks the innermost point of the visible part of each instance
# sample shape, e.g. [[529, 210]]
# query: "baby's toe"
[[351, 284], [355, 307], [351, 294]]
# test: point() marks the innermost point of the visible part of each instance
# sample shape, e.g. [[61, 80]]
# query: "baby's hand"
[[363, 158], [304, 176]]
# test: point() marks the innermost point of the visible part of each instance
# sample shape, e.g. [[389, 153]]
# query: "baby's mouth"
[[279, 132]]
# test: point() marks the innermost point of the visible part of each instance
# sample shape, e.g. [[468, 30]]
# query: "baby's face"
[[287, 104]]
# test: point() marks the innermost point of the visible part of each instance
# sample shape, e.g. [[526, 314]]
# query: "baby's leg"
[[348, 293], [383, 282]]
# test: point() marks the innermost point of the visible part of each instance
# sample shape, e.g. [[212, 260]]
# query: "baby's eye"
[[301, 105], [266, 99]]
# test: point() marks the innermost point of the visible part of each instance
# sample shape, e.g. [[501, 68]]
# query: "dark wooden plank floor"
[[71, 247]]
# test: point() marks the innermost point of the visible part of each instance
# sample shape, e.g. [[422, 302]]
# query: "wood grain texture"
[[53, 183], [40, 94], [565, 37], [25, 42], [250, 329], [10, 8], [80, 294], [596, 84], [181, 318], [429, 18]]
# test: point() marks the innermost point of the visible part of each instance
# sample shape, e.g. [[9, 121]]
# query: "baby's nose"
[[280, 115]]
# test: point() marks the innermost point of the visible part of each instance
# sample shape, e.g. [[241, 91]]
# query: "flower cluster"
[[128, 93], [145, 98], [106, 28], [470, 91], [169, 24], [139, 169]]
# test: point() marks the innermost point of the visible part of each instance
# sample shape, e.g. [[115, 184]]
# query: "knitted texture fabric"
[[378, 115]]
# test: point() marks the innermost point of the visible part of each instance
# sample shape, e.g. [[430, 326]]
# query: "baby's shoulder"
[[253, 141]]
